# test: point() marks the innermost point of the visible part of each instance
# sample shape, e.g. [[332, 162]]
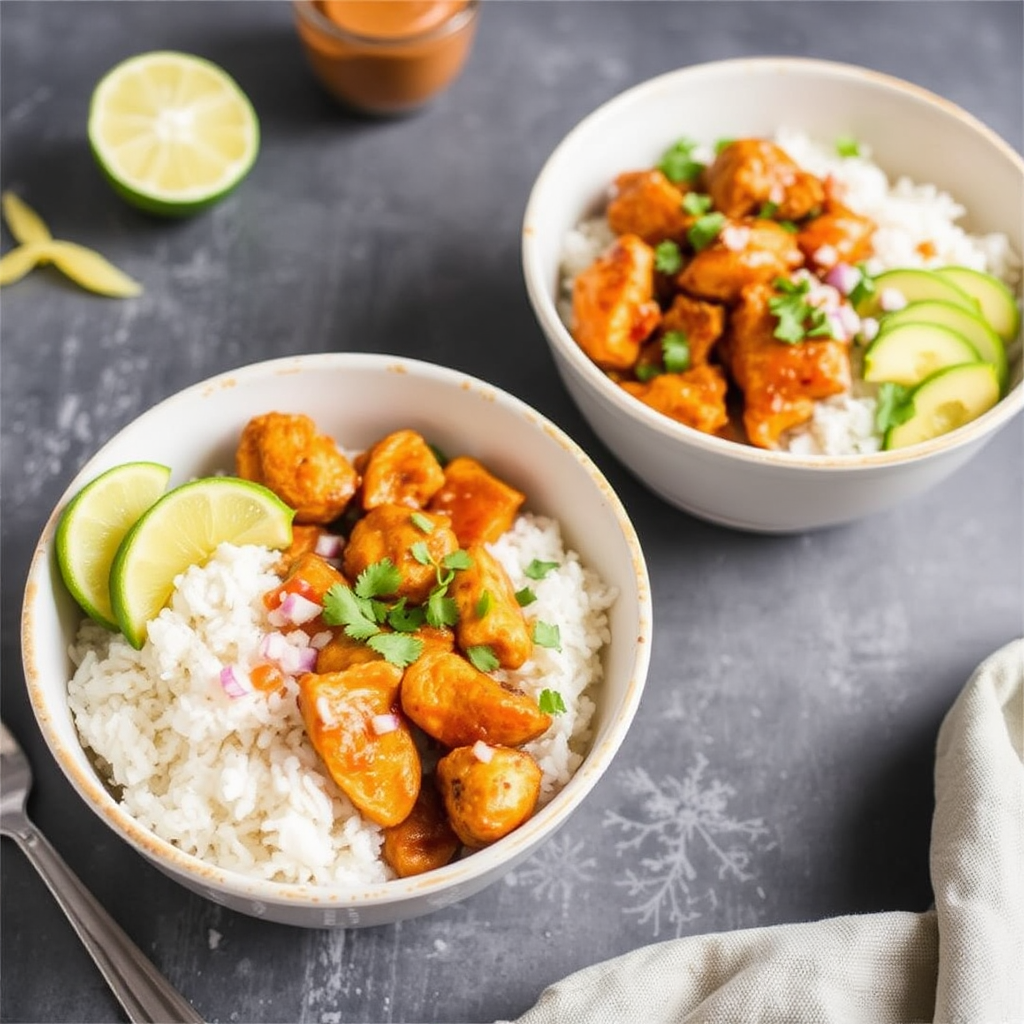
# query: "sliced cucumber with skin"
[[976, 330], [915, 286], [994, 299], [907, 353], [945, 401]]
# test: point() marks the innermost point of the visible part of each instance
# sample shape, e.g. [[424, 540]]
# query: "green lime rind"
[[94, 523], [184, 528]]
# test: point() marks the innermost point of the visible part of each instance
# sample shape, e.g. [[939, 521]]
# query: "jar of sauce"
[[386, 56]]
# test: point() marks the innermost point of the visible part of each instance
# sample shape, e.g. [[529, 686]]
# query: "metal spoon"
[[147, 996]]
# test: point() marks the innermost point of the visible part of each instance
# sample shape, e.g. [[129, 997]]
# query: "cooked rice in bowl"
[[235, 781]]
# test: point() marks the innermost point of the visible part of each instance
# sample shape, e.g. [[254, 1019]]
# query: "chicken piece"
[[647, 204], [425, 840], [457, 704], [341, 652], [354, 724], [838, 235], [780, 382], [489, 613], [696, 397], [749, 173], [613, 304], [390, 531], [749, 252], [303, 468], [488, 792], [310, 576], [701, 322], [400, 469], [481, 506]]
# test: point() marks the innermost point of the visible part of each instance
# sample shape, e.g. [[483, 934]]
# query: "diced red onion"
[[735, 237], [328, 545], [318, 641], [288, 657], [297, 609], [303, 660], [826, 256], [849, 319], [482, 752], [383, 724], [843, 277], [234, 681], [869, 328], [890, 300]]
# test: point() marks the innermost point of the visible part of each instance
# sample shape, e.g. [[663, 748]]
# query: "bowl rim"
[[441, 886], [565, 348]]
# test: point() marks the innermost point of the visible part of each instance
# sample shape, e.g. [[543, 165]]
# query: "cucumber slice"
[[907, 353], [915, 286], [976, 330], [945, 401], [995, 300]]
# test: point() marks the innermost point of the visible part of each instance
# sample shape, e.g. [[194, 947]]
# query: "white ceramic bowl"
[[910, 131], [358, 399]]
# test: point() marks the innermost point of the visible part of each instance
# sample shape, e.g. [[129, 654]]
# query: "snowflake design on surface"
[[683, 825], [554, 871]]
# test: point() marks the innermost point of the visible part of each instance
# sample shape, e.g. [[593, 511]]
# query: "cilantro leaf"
[[545, 634], [768, 210], [438, 454], [397, 648], [788, 225], [790, 312], [647, 371], [705, 230], [482, 658], [483, 604], [675, 351], [895, 406], [525, 597], [441, 611], [342, 607], [863, 289], [421, 522], [405, 619], [537, 569], [847, 145], [421, 553], [722, 144], [667, 257], [551, 703], [458, 560], [678, 164], [696, 203], [379, 579]]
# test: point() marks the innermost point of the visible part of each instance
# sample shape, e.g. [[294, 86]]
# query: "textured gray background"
[[780, 766]]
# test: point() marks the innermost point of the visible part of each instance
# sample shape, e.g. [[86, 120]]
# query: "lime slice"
[[183, 529], [173, 133], [93, 525]]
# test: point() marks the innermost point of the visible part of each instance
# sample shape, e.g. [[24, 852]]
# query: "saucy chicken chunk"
[[696, 397], [779, 381], [647, 204], [400, 469], [305, 469], [353, 721], [613, 303], [838, 235], [481, 507], [488, 799], [749, 173], [457, 704], [423, 841]]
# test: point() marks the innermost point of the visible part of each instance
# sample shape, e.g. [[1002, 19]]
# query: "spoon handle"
[[146, 995]]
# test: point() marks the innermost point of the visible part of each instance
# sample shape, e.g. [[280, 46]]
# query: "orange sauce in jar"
[[386, 56]]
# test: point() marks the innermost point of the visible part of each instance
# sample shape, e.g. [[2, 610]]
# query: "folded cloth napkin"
[[961, 962]]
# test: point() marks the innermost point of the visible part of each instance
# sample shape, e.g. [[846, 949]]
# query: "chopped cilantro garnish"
[[379, 579], [537, 569], [406, 619], [421, 522], [545, 634], [482, 658], [675, 351], [722, 144], [768, 210], [863, 289], [847, 145], [647, 371], [696, 203], [342, 607], [797, 318], [458, 560], [705, 230], [421, 553], [551, 703], [441, 610], [894, 406], [525, 596], [678, 163], [483, 604], [398, 648], [790, 226], [667, 257]]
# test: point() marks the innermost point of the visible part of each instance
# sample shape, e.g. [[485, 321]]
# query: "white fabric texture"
[[962, 963]]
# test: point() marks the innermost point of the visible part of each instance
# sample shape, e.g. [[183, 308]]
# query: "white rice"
[[234, 780], [906, 214]]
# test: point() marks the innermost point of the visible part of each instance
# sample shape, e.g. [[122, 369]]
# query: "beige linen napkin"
[[962, 962]]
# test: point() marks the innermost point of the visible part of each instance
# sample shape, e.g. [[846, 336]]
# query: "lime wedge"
[[182, 529], [93, 525], [173, 133]]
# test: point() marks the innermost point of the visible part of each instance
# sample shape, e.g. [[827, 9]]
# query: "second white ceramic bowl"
[[910, 131]]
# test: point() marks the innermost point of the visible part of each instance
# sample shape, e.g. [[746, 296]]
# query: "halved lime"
[[93, 525], [172, 132], [182, 529]]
